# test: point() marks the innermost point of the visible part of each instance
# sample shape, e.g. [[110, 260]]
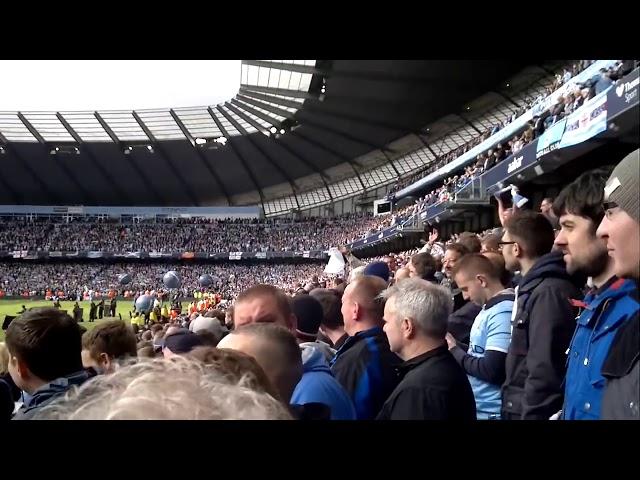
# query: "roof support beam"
[[467, 122], [305, 120], [116, 186], [291, 67], [157, 146], [259, 127], [332, 151], [276, 124], [133, 163], [6, 185], [285, 175], [390, 162], [278, 91], [200, 155], [325, 109], [88, 197], [240, 157], [508, 98], [36, 178], [270, 98]]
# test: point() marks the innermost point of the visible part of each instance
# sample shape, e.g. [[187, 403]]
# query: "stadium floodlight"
[[57, 149], [150, 148], [200, 141], [273, 130], [221, 140], [2, 150], [282, 131], [508, 85]]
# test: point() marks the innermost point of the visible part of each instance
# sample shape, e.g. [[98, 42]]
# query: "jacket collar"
[[548, 265], [420, 359], [349, 342], [505, 295]]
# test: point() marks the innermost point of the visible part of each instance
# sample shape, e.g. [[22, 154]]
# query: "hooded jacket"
[[318, 385], [604, 313], [49, 392], [541, 328]]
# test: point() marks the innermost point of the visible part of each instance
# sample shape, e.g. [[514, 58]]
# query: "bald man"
[[365, 365], [276, 351], [263, 304]]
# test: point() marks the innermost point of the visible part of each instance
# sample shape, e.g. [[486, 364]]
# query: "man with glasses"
[[620, 228], [542, 320]]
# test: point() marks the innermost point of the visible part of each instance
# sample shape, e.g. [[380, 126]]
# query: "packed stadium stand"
[[320, 191]]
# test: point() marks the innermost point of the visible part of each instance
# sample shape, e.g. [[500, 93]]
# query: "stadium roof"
[[290, 119]]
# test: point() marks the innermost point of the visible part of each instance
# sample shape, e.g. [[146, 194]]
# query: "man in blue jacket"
[[317, 384], [484, 361], [605, 308], [364, 365]]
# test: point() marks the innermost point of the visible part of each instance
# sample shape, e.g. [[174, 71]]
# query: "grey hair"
[[176, 389], [427, 304], [356, 273]]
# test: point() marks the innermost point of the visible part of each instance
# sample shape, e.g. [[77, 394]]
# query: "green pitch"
[[12, 307]]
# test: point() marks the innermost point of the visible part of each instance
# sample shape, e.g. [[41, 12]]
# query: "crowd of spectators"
[[573, 97], [79, 280], [90, 234], [496, 326]]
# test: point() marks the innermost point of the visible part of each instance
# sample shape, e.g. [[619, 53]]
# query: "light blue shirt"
[[491, 330]]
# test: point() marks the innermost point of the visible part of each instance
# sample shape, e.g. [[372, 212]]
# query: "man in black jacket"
[[433, 385], [620, 228], [101, 309], [542, 322]]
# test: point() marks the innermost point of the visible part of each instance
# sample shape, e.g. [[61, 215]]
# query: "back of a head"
[[425, 265], [490, 243], [365, 291], [499, 264], [113, 337], [330, 302], [532, 231], [48, 341], [427, 304], [584, 197], [237, 366], [377, 269], [309, 315], [276, 351], [356, 273], [477, 264], [470, 241], [177, 389]]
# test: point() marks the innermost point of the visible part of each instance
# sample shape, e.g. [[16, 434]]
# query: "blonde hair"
[[159, 389], [4, 358]]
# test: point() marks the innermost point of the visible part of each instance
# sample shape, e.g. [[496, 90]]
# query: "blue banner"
[[625, 93], [550, 139]]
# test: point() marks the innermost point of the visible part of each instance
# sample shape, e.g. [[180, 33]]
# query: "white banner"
[[586, 122], [336, 262]]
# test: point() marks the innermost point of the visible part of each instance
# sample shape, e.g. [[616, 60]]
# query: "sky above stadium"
[[87, 85]]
